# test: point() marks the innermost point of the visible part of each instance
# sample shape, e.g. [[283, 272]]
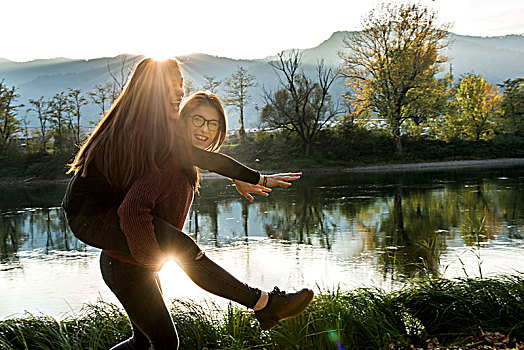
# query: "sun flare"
[[159, 54], [175, 283]]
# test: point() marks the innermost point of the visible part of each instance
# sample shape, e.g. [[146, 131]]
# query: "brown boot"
[[282, 305]]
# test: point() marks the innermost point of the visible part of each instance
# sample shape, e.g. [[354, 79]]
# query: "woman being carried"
[[137, 165]]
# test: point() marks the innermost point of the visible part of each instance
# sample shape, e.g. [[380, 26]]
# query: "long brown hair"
[[136, 135], [208, 99]]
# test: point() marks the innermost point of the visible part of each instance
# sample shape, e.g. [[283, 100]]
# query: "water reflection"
[[387, 225], [41, 228], [405, 220]]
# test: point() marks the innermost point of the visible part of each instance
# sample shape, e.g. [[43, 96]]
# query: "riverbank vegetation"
[[347, 146], [335, 147], [463, 313]]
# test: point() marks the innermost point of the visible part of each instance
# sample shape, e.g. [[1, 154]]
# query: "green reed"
[[98, 326], [456, 309], [451, 310]]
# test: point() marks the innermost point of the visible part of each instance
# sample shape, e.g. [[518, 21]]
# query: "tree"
[[59, 116], [435, 101], [9, 125], [210, 84], [101, 96], [478, 107], [41, 108], [119, 77], [122, 75], [76, 102], [391, 64], [513, 106], [25, 131], [301, 106], [189, 86], [236, 89]]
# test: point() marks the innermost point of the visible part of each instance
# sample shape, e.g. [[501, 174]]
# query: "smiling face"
[[203, 126], [204, 120]]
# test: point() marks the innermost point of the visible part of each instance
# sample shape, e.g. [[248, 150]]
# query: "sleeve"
[[136, 219], [224, 165]]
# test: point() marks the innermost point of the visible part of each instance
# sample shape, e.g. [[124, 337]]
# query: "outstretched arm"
[[246, 179], [224, 165], [272, 180]]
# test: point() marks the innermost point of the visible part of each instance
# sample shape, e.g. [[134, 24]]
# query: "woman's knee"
[[175, 242]]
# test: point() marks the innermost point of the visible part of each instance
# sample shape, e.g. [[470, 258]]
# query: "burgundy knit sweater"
[[167, 195]]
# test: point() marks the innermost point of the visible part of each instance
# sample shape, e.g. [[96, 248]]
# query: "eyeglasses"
[[199, 121]]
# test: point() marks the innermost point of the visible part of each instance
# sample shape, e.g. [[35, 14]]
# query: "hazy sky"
[[232, 28]]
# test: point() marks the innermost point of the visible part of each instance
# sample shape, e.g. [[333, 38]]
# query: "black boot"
[[282, 305]]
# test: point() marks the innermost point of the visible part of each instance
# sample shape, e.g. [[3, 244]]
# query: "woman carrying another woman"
[[137, 170]]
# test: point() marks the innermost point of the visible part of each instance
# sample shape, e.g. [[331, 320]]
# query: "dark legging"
[[202, 270], [137, 289]]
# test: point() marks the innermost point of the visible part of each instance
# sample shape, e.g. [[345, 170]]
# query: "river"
[[326, 231]]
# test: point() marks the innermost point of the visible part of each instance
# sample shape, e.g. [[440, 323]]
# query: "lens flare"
[[334, 337]]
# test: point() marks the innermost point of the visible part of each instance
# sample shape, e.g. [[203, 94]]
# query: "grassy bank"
[[362, 147], [274, 150], [465, 312]]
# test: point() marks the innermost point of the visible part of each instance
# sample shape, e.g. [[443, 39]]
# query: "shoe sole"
[[273, 323]]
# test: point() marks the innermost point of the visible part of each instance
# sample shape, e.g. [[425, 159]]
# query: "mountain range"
[[495, 58]]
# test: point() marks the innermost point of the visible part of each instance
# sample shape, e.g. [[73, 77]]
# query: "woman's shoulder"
[[173, 179], [172, 171], [171, 166]]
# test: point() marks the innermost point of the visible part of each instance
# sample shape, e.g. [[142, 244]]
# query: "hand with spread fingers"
[[263, 186], [280, 179], [245, 188]]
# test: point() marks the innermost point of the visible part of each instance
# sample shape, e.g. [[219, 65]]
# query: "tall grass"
[[99, 326], [361, 319], [454, 311]]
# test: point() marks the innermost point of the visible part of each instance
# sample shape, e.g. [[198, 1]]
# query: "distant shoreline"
[[447, 165], [442, 165], [408, 167]]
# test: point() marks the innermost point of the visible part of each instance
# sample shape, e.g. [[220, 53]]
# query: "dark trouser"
[[136, 287], [202, 270], [139, 293], [100, 230]]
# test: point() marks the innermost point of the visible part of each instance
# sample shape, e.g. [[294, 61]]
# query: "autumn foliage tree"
[[478, 105], [390, 65], [513, 106]]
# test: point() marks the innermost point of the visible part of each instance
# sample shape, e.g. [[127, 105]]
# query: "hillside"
[[496, 58]]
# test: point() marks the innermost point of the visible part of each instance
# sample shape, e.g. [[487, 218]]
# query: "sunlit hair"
[[206, 99], [137, 135]]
